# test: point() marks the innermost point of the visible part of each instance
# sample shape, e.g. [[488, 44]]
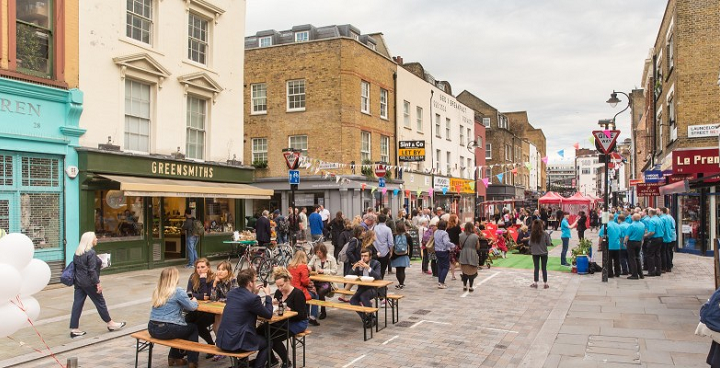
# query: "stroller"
[[484, 254]]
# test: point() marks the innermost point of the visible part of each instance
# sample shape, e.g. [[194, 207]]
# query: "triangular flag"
[[419, 191], [384, 190], [514, 171], [407, 192], [486, 181], [500, 177], [545, 159], [472, 186], [373, 189], [362, 186], [592, 140], [445, 190], [528, 165], [430, 191], [607, 133], [561, 153], [395, 192], [576, 145]]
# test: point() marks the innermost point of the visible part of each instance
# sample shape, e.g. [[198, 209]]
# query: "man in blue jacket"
[[237, 330], [316, 224]]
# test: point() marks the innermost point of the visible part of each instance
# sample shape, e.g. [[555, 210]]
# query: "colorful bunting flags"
[[576, 145], [500, 177], [444, 190], [561, 153], [545, 159], [486, 181]]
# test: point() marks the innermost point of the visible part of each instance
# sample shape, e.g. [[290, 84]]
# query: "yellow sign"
[[411, 154], [461, 185]]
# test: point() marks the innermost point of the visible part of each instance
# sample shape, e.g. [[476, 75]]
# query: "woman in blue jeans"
[[443, 246], [565, 236], [166, 317]]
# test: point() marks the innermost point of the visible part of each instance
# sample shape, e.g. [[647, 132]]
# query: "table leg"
[[268, 335]]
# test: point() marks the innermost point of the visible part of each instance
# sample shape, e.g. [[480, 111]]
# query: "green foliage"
[[260, 164], [30, 54], [582, 249]]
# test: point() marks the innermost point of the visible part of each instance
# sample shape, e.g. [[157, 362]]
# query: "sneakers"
[[464, 288], [471, 289], [428, 272], [546, 286], [399, 287], [442, 286], [74, 334], [313, 322]]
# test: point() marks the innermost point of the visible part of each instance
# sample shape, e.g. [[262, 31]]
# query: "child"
[[501, 243]]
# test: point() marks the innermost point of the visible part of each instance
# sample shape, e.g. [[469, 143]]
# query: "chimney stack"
[[398, 60]]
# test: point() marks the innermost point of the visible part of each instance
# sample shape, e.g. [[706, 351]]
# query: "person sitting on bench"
[[237, 328], [366, 266]]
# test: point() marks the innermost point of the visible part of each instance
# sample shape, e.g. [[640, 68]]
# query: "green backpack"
[[198, 228]]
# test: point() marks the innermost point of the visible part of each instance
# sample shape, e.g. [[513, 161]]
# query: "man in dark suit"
[[366, 266], [262, 229], [237, 330]]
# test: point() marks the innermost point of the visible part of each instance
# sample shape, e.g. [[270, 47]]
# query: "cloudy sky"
[[556, 59]]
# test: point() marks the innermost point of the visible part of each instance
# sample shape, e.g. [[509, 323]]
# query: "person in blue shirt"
[[565, 237], [666, 253], [645, 219], [633, 238], [654, 237], [614, 235], [624, 224], [316, 224]]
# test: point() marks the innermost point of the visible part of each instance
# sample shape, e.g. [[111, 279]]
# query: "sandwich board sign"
[[606, 141]]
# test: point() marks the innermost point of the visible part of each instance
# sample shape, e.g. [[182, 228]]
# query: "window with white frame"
[[486, 122], [296, 95], [462, 161], [437, 159], [469, 135], [258, 98], [671, 53], [438, 133], [384, 148], [447, 129], [196, 116], [671, 110], [508, 152], [139, 22], [365, 146], [365, 97], [469, 166], [383, 103], [302, 36], [448, 162], [517, 153], [259, 150], [198, 38], [503, 122], [462, 136], [265, 41], [488, 151], [419, 118], [406, 114], [138, 106], [355, 36], [479, 141], [299, 142]]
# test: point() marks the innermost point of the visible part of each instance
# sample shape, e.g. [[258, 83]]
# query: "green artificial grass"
[[523, 261]]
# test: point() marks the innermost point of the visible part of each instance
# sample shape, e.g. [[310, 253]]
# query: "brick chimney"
[[398, 60]]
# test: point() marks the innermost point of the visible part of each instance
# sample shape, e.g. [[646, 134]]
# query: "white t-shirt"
[[325, 214]]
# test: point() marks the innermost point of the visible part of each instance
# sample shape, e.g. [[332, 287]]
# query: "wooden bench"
[[298, 340], [349, 307], [144, 340], [392, 299]]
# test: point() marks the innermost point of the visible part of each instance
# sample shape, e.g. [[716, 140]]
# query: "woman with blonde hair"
[[87, 284], [300, 274], [200, 285], [222, 284], [453, 230], [166, 316], [294, 298]]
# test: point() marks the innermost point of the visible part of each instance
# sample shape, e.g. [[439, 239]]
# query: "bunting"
[[500, 177]]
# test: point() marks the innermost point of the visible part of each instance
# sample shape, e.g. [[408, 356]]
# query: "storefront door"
[[6, 214]]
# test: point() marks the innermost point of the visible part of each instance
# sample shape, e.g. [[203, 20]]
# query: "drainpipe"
[[432, 153], [398, 173]]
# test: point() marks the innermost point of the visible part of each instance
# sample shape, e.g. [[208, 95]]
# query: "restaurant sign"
[[411, 151], [696, 161], [461, 185], [648, 189]]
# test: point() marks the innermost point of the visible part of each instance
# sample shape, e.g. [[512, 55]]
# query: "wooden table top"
[[343, 280], [218, 307]]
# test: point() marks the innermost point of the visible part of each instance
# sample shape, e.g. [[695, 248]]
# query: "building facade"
[[561, 178], [164, 127], [40, 107], [330, 93]]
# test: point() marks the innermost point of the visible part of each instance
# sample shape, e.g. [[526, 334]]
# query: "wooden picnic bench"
[[298, 340], [392, 299], [144, 340], [348, 307]]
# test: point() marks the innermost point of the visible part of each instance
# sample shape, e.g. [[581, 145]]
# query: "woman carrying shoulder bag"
[[539, 243], [87, 284]]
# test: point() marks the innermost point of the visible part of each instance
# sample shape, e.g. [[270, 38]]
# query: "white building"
[[587, 174], [428, 112], [162, 75], [535, 163]]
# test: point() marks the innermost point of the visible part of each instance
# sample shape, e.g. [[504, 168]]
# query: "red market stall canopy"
[[578, 198], [575, 204], [551, 198]]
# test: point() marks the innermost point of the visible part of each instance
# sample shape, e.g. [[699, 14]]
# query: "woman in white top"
[[324, 264]]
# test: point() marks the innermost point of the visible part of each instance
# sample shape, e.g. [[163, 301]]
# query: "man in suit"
[[237, 330], [262, 229], [366, 266]]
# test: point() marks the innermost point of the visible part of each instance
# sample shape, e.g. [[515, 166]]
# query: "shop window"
[[35, 32], [6, 170], [219, 215], [118, 216]]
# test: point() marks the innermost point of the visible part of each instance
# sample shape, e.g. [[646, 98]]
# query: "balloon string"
[[20, 305]]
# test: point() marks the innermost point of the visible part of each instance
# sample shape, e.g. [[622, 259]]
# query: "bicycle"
[[257, 258]]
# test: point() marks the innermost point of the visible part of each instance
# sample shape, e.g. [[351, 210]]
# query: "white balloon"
[[32, 308], [10, 284], [17, 250], [35, 276], [13, 319]]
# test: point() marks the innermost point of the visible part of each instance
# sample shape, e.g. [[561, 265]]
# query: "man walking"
[[316, 224], [262, 229], [325, 216], [191, 238], [383, 243], [303, 222], [293, 225]]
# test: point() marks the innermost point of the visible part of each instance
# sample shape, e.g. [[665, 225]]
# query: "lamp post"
[[609, 124]]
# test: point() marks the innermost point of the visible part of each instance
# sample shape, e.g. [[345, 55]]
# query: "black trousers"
[[425, 260], [653, 256], [633, 249], [203, 321], [614, 264]]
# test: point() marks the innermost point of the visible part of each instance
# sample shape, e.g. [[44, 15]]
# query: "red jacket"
[[301, 279]]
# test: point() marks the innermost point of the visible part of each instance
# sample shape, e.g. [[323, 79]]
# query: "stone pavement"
[[578, 322]]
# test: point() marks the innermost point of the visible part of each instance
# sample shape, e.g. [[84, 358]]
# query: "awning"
[[151, 187], [677, 187]]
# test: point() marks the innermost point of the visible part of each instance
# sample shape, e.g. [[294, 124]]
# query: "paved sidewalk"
[[578, 322]]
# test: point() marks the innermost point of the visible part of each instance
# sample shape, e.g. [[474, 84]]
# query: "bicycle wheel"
[[262, 267], [242, 264]]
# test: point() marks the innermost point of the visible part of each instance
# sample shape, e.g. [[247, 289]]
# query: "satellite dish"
[[115, 199]]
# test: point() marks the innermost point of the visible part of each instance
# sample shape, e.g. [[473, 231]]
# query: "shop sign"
[[676, 178], [440, 182], [634, 182], [411, 151], [709, 130], [461, 185], [648, 189], [32, 117], [653, 176], [696, 161], [179, 170]]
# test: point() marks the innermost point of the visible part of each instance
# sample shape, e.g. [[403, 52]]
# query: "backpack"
[[198, 229], [68, 274], [710, 312], [282, 226], [430, 245], [342, 256], [401, 245]]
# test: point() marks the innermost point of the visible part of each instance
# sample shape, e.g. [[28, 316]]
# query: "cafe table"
[[276, 326], [378, 284]]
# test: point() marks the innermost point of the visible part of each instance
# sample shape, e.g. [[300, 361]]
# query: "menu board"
[[413, 232]]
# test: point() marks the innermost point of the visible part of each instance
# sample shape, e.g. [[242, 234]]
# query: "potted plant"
[[260, 164]]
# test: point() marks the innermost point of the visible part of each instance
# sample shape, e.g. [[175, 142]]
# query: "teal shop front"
[[39, 192]]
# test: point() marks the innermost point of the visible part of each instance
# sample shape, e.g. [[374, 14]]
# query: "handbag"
[[68, 274]]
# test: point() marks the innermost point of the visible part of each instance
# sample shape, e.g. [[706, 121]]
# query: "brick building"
[[330, 92], [682, 117]]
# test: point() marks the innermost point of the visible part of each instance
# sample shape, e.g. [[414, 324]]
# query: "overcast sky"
[[559, 60]]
